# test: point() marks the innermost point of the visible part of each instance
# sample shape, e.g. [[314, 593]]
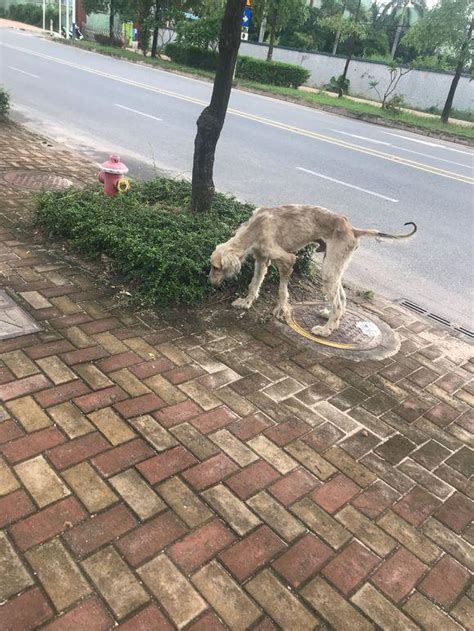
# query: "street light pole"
[[59, 20], [67, 19], [44, 15]]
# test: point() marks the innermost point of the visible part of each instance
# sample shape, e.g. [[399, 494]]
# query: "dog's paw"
[[322, 331], [325, 313], [242, 303], [282, 312]]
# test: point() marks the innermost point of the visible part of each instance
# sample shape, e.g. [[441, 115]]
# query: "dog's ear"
[[230, 263]]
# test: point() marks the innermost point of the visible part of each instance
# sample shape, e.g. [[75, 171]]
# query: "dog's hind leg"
[[334, 265], [285, 262], [261, 267]]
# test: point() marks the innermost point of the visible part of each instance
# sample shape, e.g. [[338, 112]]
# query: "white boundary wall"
[[420, 88]]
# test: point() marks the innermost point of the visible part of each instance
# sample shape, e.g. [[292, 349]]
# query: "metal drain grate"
[[409, 304]]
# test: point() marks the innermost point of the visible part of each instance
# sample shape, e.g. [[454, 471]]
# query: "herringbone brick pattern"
[[160, 474]]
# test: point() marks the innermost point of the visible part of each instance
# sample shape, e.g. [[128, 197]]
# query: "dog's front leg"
[[285, 268], [261, 266], [336, 311]]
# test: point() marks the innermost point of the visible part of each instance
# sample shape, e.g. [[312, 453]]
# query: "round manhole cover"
[[36, 180], [357, 332]]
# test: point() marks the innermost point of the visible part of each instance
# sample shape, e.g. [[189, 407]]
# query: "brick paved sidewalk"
[[160, 476]]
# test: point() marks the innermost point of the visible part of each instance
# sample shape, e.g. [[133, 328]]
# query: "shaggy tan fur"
[[274, 235]]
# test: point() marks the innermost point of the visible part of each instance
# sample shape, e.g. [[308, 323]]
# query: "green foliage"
[[271, 73], [154, 242], [347, 28], [443, 27], [4, 102], [192, 56], [203, 33], [335, 84], [33, 14], [294, 39], [282, 12]]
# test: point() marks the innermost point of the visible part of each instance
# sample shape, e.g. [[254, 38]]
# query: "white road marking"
[[430, 144], [35, 76], [379, 142], [259, 119], [357, 188], [130, 109], [416, 153]]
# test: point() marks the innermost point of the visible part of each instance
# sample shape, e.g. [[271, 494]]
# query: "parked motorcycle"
[[76, 34]]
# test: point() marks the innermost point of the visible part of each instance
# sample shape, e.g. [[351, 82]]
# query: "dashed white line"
[[378, 142], [35, 76], [357, 188], [416, 153], [130, 109], [430, 144]]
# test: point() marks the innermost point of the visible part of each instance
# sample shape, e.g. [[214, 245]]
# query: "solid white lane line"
[[357, 188], [345, 133], [416, 153], [130, 109], [35, 76], [430, 144]]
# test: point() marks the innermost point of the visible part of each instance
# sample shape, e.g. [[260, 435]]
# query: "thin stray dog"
[[274, 235]]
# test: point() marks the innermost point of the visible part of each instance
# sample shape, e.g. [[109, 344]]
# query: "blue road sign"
[[246, 17]]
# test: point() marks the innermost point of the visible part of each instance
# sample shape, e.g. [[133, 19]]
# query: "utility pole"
[[73, 19], [59, 22], [44, 15], [67, 19]]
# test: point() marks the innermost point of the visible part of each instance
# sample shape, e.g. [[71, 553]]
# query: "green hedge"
[[266, 72], [4, 102], [156, 244], [271, 72], [33, 14], [203, 58]]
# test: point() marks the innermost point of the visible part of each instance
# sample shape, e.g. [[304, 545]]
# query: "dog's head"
[[224, 264]]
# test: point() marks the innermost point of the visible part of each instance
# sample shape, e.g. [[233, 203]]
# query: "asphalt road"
[[270, 152]]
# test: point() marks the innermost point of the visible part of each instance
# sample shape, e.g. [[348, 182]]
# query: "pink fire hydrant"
[[112, 178]]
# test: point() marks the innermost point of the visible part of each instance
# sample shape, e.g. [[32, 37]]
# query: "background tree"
[[278, 14], [211, 120], [112, 7], [447, 26], [350, 30], [403, 13]]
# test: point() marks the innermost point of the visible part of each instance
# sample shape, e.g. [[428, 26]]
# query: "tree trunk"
[[338, 34], [261, 33], [457, 75], [211, 120], [343, 77], [111, 23], [396, 40], [271, 43], [154, 43]]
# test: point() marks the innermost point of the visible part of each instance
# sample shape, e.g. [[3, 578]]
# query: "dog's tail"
[[382, 235]]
